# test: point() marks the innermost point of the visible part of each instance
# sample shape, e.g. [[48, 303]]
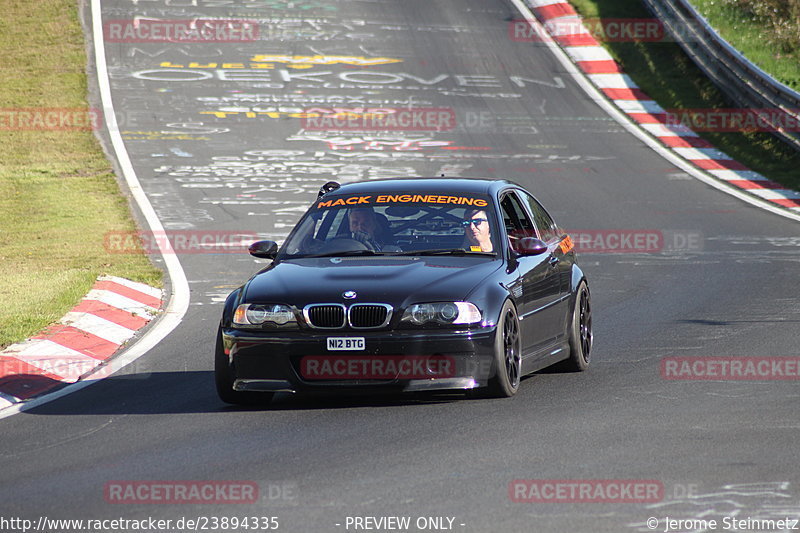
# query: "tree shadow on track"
[[193, 392]]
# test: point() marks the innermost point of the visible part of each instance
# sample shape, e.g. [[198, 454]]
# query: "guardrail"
[[746, 84]]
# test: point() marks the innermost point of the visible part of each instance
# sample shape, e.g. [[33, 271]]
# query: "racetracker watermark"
[[181, 492], [731, 368], [211, 522], [50, 119], [377, 367], [144, 30], [586, 491], [735, 120], [55, 367], [573, 30], [620, 241], [178, 241], [380, 119]]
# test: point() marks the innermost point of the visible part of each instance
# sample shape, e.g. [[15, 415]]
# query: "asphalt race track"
[[212, 133]]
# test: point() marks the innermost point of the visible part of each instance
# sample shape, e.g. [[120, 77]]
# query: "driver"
[[476, 230], [364, 227]]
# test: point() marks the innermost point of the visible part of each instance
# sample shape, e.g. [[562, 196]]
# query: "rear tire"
[[580, 332], [507, 355], [223, 377]]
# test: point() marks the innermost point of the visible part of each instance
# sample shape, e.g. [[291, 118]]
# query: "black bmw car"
[[407, 285]]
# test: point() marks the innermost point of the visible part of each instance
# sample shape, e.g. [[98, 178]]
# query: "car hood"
[[398, 281]]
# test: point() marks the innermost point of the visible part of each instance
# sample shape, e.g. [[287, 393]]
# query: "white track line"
[[179, 298], [633, 128]]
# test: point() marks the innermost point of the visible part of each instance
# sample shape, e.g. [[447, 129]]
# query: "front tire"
[[223, 377], [507, 355]]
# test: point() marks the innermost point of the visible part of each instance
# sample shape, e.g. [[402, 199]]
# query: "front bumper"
[[392, 361]]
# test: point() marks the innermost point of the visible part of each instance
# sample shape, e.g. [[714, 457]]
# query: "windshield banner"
[[384, 199]]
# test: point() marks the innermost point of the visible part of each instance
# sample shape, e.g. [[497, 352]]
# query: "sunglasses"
[[475, 221]]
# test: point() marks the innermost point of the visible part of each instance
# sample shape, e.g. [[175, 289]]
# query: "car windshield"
[[395, 224]]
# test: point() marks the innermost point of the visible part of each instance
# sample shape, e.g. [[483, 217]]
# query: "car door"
[[539, 320], [561, 259]]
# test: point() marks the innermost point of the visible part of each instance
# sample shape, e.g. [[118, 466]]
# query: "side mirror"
[[530, 246], [264, 249]]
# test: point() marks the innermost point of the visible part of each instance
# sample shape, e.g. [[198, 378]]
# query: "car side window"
[[517, 222], [544, 222]]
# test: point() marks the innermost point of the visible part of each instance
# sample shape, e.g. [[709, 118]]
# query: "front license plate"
[[346, 343]]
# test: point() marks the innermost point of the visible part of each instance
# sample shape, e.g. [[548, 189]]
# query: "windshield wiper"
[[355, 253], [343, 253], [444, 251]]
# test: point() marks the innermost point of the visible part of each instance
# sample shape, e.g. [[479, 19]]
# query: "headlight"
[[442, 313], [261, 314]]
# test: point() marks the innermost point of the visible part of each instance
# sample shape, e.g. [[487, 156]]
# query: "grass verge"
[[767, 32], [668, 76], [58, 195]]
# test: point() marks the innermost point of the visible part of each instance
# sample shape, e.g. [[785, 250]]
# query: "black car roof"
[[425, 185]]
